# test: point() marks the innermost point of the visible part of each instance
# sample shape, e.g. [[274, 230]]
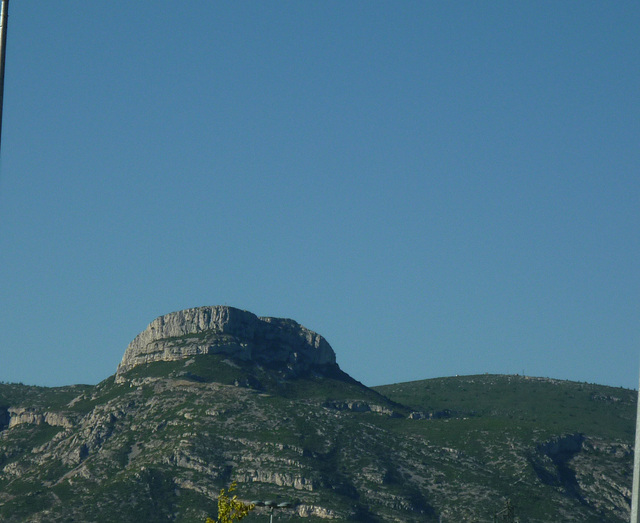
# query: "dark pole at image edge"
[[635, 486], [4, 16]]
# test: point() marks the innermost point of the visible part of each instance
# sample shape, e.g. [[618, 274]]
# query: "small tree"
[[231, 509]]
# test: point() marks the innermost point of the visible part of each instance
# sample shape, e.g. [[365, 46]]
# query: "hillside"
[[561, 450], [158, 440]]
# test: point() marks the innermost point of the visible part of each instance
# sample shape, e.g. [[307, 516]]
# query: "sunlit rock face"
[[227, 330]]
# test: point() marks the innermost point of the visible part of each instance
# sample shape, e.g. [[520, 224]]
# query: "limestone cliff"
[[227, 330]]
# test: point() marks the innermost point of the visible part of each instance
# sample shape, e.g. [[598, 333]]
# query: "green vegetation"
[[230, 508], [529, 405], [161, 445], [39, 397]]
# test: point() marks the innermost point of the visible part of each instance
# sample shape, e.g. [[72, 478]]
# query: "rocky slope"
[[227, 330], [207, 396]]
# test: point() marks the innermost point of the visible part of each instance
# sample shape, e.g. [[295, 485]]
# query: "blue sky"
[[437, 188]]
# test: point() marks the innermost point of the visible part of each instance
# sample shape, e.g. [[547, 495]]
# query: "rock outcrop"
[[227, 330], [18, 416], [162, 445]]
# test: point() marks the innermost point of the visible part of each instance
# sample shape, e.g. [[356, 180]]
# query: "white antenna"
[[4, 17]]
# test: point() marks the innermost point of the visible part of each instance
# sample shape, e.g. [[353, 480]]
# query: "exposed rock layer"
[[78, 453], [227, 330]]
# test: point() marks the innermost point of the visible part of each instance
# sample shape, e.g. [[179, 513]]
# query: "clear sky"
[[438, 188]]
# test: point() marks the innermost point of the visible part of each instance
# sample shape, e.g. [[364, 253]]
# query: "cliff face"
[[227, 330]]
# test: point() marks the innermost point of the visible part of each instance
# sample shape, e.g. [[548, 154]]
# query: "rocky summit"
[[213, 395], [234, 332]]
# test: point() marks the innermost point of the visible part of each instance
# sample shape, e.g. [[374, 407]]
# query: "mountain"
[[211, 395]]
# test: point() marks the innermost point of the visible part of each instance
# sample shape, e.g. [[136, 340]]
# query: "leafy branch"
[[230, 508]]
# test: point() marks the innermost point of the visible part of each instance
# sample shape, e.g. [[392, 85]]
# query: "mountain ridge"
[[156, 441]]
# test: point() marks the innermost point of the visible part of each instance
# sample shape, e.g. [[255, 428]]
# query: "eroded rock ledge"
[[227, 330]]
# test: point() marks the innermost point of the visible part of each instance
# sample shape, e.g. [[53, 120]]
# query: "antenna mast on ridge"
[[4, 16]]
